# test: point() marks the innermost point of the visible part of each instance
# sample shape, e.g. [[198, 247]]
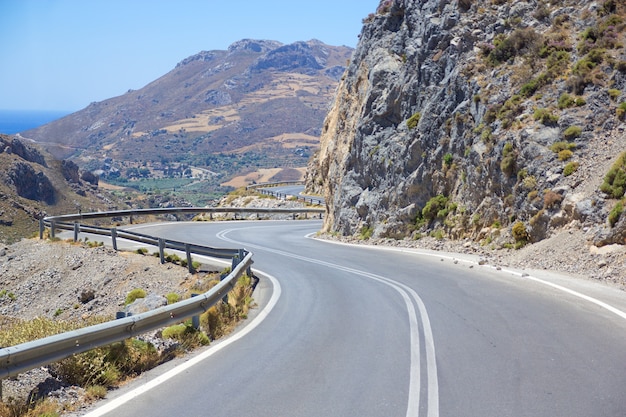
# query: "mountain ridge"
[[212, 107]]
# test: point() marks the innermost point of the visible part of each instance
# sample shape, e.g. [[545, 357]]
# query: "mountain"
[[499, 122], [259, 104], [34, 184]]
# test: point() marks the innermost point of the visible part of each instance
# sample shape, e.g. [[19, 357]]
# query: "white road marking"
[[123, 399], [404, 291], [599, 303]]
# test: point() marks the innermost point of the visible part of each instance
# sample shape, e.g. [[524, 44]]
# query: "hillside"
[[259, 104], [493, 121], [34, 184]]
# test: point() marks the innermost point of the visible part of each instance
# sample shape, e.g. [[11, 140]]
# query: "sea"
[[16, 121]]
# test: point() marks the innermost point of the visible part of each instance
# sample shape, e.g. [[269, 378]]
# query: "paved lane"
[[365, 332]]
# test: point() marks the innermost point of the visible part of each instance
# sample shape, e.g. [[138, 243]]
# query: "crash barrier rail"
[[263, 189], [23, 357], [72, 222]]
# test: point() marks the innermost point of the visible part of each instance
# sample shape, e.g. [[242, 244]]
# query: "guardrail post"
[[52, 228], [162, 250], [114, 238], [189, 260], [42, 227], [76, 230], [195, 320]]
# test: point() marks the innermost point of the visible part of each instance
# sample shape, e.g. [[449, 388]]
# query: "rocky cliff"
[[33, 185], [497, 121]]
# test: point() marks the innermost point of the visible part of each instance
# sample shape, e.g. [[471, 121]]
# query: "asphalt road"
[[354, 331]]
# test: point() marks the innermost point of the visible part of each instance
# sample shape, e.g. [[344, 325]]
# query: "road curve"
[[360, 331]]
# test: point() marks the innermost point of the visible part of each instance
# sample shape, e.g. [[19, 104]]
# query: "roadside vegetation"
[[104, 368]]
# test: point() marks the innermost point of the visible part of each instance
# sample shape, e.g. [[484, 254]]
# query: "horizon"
[[67, 54]]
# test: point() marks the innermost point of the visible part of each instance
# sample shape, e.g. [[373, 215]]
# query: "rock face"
[[464, 118], [33, 185], [30, 184]]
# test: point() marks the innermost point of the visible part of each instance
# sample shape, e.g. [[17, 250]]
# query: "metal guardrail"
[[21, 358], [306, 199]]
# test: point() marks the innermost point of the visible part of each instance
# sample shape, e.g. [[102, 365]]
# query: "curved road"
[[357, 331]]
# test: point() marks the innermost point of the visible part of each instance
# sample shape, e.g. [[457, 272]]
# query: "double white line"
[[412, 300]]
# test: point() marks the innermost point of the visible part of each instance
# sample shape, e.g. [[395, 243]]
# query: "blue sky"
[[65, 54]]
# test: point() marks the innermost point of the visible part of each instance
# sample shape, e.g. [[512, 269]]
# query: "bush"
[[616, 213], [565, 154], [570, 168], [366, 232], [447, 159], [572, 132], [172, 298], [509, 159], [551, 199], [186, 335], [545, 116], [614, 183], [435, 207], [518, 230], [133, 295], [557, 147], [614, 93], [521, 41], [412, 122], [620, 112]]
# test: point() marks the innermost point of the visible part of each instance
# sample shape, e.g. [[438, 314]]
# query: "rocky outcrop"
[[70, 171], [465, 118], [28, 153], [30, 184]]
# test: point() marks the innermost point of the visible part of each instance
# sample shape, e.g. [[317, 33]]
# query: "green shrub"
[[572, 132], [620, 112], [535, 84], [186, 335], [172, 298], [435, 207], [614, 93], [447, 159], [412, 122], [509, 110], [142, 251], [616, 213], [565, 154], [557, 147], [545, 116], [509, 159], [614, 183], [521, 41], [96, 392], [366, 232], [133, 295], [518, 230], [570, 168]]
